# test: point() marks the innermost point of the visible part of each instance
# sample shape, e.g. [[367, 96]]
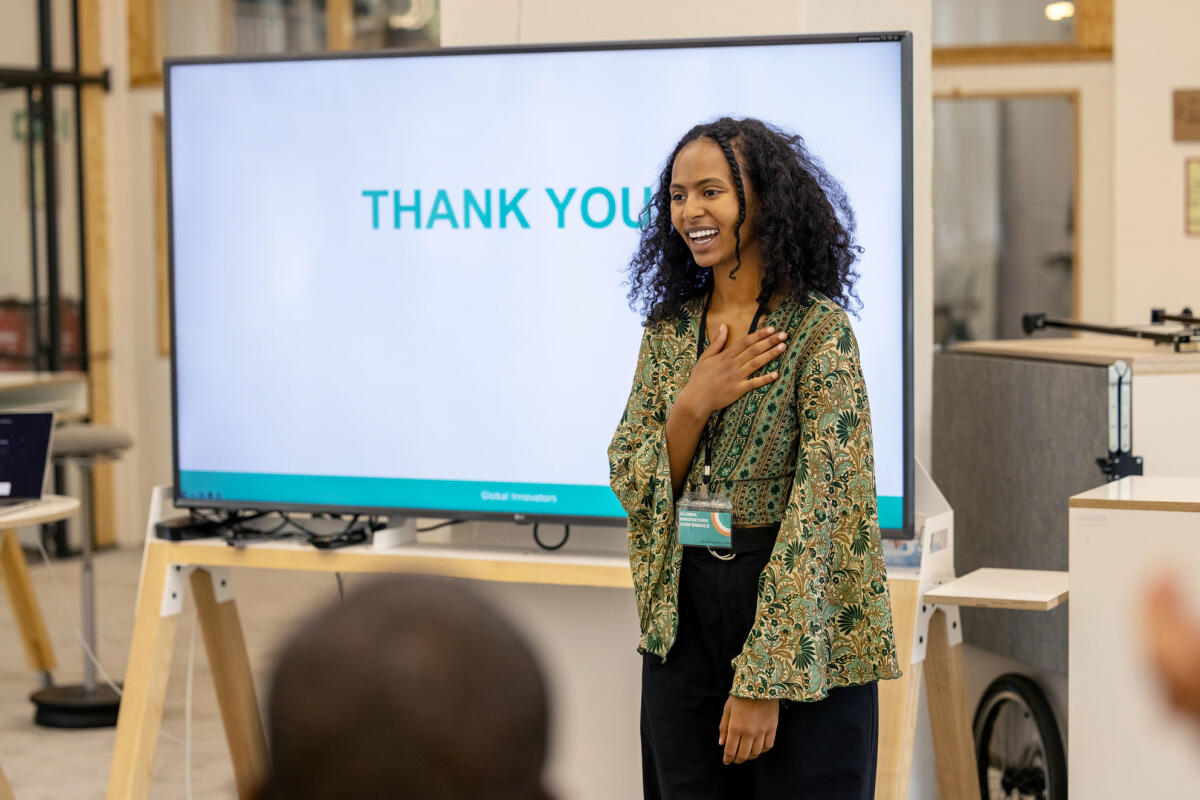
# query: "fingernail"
[[770, 330], [782, 336], [779, 346]]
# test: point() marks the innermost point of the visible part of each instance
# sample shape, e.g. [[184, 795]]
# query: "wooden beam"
[[158, 146], [591, 570], [228, 40], [899, 699], [24, 604], [339, 25], [6, 792], [1019, 54], [150, 652], [1094, 23], [949, 717], [144, 21], [95, 202], [234, 682]]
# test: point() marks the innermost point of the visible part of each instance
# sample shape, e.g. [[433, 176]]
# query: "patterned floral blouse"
[[796, 451]]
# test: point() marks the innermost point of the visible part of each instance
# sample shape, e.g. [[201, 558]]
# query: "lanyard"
[[712, 430]]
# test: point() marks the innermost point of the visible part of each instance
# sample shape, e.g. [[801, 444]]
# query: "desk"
[[1125, 741], [16, 577], [170, 569], [66, 394]]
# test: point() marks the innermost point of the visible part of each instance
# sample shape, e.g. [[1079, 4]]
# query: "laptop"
[[24, 452]]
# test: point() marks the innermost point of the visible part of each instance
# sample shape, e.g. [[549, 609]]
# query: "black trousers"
[[824, 750]]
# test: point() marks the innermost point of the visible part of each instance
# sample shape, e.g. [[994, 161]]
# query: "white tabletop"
[[1146, 357], [1144, 493], [25, 380], [1023, 589], [50, 508]]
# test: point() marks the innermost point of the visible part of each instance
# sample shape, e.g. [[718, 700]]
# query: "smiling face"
[[704, 205]]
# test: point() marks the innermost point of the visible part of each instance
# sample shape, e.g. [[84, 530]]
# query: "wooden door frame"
[[96, 238], [146, 47], [1093, 42], [1073, 97]]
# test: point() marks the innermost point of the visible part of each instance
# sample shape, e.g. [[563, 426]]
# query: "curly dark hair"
[[804, 224]]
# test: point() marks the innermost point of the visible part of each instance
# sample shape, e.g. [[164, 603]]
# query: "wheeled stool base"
[[75, 707]]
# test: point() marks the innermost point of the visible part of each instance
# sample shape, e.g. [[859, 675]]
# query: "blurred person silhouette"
[[414, 688]]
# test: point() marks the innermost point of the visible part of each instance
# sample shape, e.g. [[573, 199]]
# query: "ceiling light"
[[418, 15], [1059, 11]]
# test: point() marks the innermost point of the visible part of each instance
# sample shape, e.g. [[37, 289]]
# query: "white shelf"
[[1023, 589]]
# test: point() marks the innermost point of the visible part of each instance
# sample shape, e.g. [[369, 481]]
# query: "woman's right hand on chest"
[[723, 372]]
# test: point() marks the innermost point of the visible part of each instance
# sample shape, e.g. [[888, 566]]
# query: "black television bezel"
[[907, 188]]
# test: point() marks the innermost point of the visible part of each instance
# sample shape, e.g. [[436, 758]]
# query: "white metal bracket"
[[400, 531], [1120, 408], [176, 585], [937, 562], [174, 588]]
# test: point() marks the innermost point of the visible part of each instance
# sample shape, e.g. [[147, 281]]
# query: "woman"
[[760, 656]]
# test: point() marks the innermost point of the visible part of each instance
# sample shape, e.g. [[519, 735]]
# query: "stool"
[[88, 705]]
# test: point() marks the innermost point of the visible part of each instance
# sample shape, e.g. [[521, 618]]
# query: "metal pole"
[[17, 77], [80, 196], [36, 303], [50, 176], [1033, 322], [87, 579]]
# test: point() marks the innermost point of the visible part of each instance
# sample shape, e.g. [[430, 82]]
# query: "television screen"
[[398, 279]]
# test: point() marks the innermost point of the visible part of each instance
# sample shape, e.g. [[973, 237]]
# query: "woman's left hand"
[[748, 728]]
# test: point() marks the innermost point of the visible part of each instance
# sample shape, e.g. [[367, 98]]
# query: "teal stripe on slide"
[[571, 500], [891, 512], [332, 490]]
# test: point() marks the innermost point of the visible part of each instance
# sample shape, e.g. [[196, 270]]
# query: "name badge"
[[704, 521]]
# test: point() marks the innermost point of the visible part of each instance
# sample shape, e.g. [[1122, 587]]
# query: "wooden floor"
[[45, 764]]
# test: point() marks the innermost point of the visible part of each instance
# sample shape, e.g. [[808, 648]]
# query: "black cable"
[[297, 525], [283, 523], [445, 524], [237, 535], [259, 533], [544, 546], [201, 515], [341, 587]]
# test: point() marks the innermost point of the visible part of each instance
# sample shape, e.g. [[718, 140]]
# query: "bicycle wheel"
[[1017, 747]]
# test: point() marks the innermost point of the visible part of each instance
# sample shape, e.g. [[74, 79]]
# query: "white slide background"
[[309, 342]]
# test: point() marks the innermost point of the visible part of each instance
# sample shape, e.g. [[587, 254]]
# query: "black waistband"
[[753, 538]]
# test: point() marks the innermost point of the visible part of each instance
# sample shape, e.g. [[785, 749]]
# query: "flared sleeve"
[[640, 475], [824, 614]]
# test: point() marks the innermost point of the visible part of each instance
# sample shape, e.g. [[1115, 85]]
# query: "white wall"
[[140, 385], [1154, 52]]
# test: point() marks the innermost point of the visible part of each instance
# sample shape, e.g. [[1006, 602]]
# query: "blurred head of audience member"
[[414, 688]]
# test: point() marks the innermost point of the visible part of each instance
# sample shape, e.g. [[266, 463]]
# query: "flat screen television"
[[397, 279]]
